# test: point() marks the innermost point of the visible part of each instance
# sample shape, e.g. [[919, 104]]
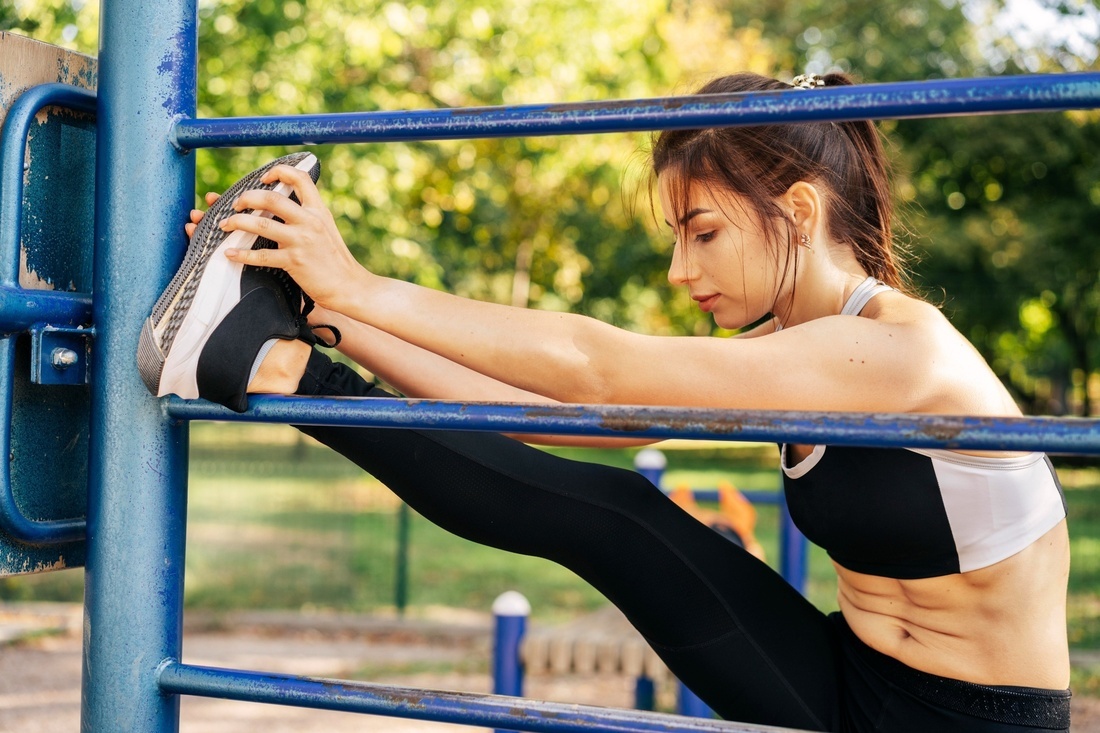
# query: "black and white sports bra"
[[907, 513]]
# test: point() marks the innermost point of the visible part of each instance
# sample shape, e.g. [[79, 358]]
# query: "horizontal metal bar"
[[492, 711], [900, 100], [21, 308], [1052, 435]]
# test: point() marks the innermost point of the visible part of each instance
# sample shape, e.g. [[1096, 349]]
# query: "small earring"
[[804, 241]]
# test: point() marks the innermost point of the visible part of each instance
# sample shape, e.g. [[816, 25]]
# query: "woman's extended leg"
[[725, 623]]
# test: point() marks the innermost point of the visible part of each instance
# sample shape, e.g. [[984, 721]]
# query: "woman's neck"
[[823, 282]]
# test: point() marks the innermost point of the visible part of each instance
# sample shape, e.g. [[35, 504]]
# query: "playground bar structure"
[[145, 182]]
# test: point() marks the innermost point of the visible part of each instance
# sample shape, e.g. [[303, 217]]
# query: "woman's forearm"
[[544, 353], [416, 372]]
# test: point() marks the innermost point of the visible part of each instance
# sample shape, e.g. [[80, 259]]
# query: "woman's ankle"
[[282, 368]]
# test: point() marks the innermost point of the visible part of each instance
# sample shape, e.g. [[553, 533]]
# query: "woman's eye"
[[704, 236]]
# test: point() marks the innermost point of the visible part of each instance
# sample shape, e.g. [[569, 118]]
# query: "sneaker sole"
[[203, 290]]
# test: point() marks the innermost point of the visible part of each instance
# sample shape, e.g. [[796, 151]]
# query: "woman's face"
[[721, 255]]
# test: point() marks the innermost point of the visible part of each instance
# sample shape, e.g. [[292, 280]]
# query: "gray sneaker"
[[211, 321]]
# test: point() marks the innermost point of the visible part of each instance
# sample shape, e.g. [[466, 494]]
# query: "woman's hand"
[[310, 249], [197, 214]]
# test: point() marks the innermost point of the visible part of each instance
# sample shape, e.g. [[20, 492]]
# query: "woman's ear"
[[803, 205]]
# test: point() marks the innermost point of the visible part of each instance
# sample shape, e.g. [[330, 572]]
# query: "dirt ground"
[[40, 669]]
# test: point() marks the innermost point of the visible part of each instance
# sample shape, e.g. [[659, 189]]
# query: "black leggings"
[[725, 623]]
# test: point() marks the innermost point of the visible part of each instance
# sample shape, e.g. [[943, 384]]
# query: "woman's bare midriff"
[[1000, 625]]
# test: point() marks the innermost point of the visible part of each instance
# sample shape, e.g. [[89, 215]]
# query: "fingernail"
[[232, 253]]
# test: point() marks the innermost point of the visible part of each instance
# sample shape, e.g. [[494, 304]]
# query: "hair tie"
[[807, 81]]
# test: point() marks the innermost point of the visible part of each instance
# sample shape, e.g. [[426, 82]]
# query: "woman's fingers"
[[197, 214], [270, 201], [260, 257], [300, 181], [263, 226]]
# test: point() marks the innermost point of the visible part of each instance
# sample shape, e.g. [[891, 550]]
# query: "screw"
[[63, 358]]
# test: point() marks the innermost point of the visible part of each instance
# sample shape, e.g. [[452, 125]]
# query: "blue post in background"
[[793, 550], [651, 463], [645, 694], [510, 612], [138, 472]]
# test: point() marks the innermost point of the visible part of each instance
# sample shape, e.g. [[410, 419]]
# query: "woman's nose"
[[678, 269]]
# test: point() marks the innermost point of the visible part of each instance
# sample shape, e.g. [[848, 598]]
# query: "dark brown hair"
[[759, 164]]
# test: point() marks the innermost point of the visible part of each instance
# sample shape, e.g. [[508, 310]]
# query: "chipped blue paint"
[[1053, 435], [43, 489], [44, 431], [137, 488], [901, 100]]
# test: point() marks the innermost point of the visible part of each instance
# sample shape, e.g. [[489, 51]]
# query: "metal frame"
[[31, 310], [137, 493]]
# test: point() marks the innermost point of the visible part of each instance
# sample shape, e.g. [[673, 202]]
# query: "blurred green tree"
[[998, 209]]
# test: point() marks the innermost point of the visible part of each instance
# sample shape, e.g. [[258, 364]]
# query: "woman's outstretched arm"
[[416, 372], [839, 363]]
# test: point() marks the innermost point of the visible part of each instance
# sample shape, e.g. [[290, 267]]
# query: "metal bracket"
[[60, 354]]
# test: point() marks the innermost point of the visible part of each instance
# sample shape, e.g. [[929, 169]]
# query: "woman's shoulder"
[[962, 379]]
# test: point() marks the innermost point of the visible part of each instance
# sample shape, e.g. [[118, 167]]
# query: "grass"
[[278, 522]]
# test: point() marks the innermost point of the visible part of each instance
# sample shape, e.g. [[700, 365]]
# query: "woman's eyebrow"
[[691, 215]]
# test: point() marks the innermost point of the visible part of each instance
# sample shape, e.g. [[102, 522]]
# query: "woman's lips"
[[707, 302]]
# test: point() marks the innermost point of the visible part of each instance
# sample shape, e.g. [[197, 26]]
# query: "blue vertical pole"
[[793, 550], [645, 694], [137, 477], [510, 612]]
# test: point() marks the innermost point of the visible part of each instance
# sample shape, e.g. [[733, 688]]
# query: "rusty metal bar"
[[491, 711], [1048, 434]]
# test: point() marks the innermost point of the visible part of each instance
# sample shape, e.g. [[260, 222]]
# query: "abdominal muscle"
[[1001, 625]]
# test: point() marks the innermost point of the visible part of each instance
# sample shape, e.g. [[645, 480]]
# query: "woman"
[[952, 566]]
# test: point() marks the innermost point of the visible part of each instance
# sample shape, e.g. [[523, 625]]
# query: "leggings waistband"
[[1023, 706]]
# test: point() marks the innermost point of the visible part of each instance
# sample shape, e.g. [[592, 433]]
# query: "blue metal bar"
[[13, 522], [19, 308], [901, 100], [492, 711], [1052, 435], [137, 504]]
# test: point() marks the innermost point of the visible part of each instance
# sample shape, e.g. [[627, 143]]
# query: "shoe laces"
[[308, 333]]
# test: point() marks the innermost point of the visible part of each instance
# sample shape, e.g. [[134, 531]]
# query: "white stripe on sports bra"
[[866, 290], [859, 298]]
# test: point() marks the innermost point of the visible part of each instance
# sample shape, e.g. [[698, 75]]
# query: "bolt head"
[[63, 358]]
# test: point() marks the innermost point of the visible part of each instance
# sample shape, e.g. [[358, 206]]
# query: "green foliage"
[[1000, 209], [506, 220], [71, 24]]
